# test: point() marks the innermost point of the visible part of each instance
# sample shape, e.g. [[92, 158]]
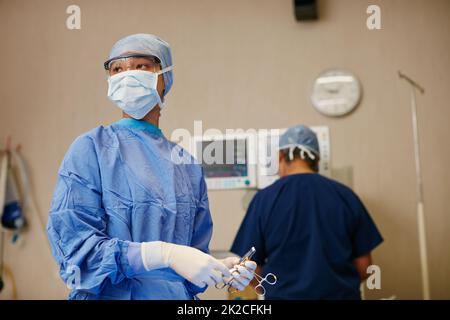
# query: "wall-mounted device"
[[228, 161], [305, 10]]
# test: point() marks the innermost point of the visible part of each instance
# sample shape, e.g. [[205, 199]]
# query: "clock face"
[[336, 93]]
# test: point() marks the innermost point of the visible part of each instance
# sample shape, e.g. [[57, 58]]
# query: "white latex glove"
[[192, 264], [241, 273]]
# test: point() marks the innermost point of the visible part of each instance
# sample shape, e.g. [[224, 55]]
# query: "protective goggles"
[[131, 61]]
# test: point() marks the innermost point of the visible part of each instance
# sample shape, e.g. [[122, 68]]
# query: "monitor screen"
[[223, 158]]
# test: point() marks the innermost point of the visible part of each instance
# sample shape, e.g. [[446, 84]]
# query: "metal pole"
[[420, 204], [2, 250], [3, 174]]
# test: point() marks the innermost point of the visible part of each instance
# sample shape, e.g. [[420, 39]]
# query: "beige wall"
[[244, 64]]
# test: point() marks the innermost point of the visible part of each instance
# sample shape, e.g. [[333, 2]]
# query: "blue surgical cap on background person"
[[147, 44], [301, 137]]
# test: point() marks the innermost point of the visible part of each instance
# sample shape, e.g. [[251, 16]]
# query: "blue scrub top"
[[307, 229]]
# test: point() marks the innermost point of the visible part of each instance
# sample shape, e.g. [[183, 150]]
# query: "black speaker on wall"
[[305, 10]]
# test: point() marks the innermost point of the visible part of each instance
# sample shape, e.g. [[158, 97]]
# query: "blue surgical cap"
[[300, 137], [146, 44]]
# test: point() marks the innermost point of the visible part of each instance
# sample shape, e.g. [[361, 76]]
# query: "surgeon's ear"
[[280, 156], [281, 163], [161, 87]]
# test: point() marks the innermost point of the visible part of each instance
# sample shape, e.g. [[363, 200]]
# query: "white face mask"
[[134, 91]]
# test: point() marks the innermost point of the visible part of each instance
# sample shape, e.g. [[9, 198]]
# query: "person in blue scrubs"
[[128, 219], [312, 232]]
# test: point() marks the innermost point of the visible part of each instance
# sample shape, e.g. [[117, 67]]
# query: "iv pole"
[[420, 207]]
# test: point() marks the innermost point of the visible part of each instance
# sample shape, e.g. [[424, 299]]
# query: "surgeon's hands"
[[192, 264], [196, 266], [242, 273]]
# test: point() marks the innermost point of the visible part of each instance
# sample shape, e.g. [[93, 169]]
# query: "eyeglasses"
[[135, 62]]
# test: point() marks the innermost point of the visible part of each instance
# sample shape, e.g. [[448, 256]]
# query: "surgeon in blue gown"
[[312, 232], [128, 219]]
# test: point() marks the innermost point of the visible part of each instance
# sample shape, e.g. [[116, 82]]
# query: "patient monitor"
[[228, 161]]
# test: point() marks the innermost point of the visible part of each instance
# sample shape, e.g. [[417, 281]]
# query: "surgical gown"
[[118, 186], [307, 229]]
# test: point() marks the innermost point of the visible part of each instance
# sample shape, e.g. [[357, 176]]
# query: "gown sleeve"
[[76, 228], [202, 230]]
